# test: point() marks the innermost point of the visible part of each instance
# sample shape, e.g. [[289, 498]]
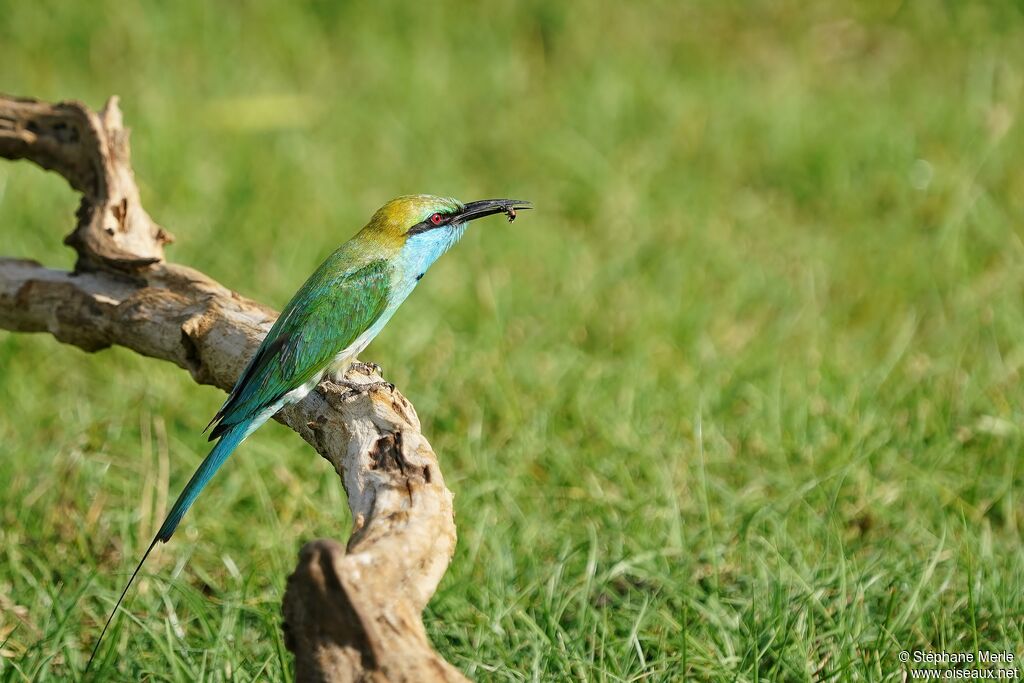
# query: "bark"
[[351, 613]]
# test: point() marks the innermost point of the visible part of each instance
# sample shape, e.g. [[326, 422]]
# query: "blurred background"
[[740, 400]]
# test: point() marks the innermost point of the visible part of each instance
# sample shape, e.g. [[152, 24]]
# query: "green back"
[[335, 305]]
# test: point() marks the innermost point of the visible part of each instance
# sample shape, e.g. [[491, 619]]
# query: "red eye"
[[436, 219]]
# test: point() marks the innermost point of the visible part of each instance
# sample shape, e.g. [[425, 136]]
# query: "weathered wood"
[[350, 615]]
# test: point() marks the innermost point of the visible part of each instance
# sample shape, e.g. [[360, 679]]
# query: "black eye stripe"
[[428, 224]]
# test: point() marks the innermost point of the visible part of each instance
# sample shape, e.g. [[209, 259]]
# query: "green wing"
[[324, 317]]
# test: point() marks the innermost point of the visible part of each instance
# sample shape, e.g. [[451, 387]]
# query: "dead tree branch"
[[350, 614]]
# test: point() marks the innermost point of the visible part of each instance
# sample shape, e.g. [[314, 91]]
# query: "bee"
[[511, 213]]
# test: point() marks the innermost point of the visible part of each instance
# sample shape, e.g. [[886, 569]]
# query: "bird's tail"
[[227, 444], [225, 447]]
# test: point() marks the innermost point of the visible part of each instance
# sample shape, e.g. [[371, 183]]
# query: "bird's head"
[[413, 231], [423, 219]]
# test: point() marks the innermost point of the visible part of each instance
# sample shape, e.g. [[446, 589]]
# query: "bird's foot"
[[337, 375], [368, 368], [367, 387]]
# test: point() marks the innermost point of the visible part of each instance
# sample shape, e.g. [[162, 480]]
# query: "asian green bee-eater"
[[338, 311]]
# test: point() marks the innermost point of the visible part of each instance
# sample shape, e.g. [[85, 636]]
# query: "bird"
[[332, 317]]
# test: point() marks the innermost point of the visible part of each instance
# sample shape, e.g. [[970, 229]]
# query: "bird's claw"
[[368, 368], [365, 388]]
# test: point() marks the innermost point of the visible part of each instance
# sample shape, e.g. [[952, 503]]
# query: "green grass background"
[[741, 400]]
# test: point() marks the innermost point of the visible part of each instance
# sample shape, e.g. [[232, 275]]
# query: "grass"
[[741, 401]]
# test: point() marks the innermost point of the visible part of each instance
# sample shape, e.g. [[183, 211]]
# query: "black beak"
[[489, 207]]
